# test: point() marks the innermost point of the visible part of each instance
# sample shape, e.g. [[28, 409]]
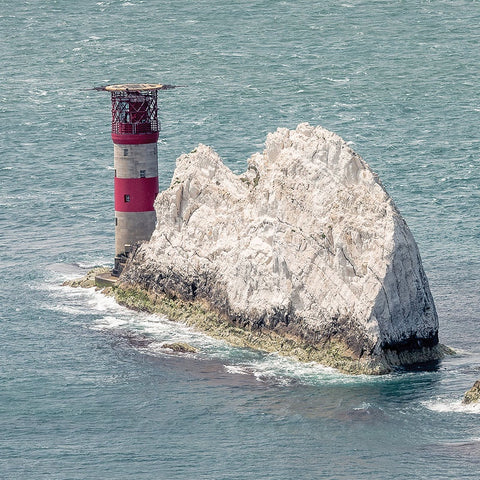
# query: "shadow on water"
[[196, 367], [333, 396], [432, 366]]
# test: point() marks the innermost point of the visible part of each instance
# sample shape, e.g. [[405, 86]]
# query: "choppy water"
[[85, 389]]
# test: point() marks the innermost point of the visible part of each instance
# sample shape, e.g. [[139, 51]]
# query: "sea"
[[86, 391]]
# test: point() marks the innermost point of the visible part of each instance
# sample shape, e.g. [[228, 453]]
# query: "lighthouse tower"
[[135, 128]]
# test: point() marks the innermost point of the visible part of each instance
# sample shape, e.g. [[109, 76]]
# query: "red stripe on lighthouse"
[[134, 138], [135, 194]]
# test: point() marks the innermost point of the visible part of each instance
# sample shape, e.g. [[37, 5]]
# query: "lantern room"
[[134, 117], [135, 112]]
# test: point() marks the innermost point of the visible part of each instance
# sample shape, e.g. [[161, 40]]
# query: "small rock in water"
[[135, 339], [472, 395], [180, 347]]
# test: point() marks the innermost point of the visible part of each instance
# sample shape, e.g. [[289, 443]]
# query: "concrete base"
[[106, 279]]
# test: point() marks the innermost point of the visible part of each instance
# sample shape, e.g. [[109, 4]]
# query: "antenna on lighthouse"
[[135, 130]]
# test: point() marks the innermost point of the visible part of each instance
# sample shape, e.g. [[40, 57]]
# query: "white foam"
[[103, 303], [452, 406], [285, 371], [109, 315], [109, 322], [338, 80], [65, 309], [238, 370], [364, 406], [102, 262]]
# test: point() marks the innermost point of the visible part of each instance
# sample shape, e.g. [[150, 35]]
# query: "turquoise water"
[[81, 394]]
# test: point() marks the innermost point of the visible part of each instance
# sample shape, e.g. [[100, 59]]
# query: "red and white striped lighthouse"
[[135, 128]]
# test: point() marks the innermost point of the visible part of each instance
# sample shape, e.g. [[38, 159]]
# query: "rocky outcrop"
[[180, 347], [472, 395], [88, 280], [305, 248]]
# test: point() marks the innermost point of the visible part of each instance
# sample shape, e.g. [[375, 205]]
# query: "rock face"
[[472, 395], [306, 244]]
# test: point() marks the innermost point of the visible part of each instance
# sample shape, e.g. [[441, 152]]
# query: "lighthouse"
[[135, 130]]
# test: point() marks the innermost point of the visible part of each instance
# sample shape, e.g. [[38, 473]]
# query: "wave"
[[452, 406]]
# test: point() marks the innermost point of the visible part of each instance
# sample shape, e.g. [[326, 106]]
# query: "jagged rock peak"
[[472, 395], [306, 244]]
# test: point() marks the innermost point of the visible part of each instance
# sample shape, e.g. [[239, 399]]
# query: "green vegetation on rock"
[[198, 314]]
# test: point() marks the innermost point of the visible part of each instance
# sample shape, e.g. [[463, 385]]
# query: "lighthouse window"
[[125, 152], [142, 173], [126, 198], [116, 221]]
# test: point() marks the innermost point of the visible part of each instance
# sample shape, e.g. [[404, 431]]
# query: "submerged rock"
[[305, 254], [472, 395], [180, 347]]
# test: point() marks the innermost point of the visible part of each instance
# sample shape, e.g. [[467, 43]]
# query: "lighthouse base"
[[106, 279], [120, 261]]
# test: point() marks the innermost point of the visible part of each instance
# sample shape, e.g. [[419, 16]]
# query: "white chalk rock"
[[306, 243]]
